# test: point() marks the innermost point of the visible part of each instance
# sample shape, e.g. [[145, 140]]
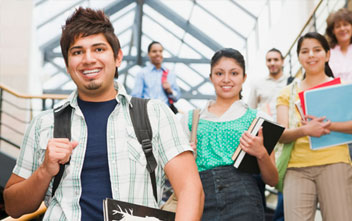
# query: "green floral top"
[[217, 141]]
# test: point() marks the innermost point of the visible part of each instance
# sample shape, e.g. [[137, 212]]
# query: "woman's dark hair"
[[228, 53], [324, 43], [153, 43], [85, 22], [342, 14]]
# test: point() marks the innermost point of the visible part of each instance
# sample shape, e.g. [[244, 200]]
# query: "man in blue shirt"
[[155, 80]]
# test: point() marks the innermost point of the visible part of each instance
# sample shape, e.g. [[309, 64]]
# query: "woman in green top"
[[229, 193]]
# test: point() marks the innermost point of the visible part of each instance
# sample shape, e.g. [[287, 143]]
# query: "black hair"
[[228, 53], [276, 50], [153, 43], [324, 43]]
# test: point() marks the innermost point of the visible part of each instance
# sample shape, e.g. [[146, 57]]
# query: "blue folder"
[[334, 102]]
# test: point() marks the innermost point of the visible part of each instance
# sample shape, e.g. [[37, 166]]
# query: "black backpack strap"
[[62, 129], [144, 133]]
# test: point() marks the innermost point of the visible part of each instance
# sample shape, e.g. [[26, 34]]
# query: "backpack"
[[141, 125]]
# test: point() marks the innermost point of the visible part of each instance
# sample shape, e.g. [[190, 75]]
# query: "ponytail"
[[328, 70]]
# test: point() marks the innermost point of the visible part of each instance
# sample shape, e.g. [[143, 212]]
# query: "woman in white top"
[[339, 33]]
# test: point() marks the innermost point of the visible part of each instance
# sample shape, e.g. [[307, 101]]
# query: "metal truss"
[[135, 55]]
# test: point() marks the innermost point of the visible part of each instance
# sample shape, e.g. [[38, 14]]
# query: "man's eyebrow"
[[75, 47], [99, 44], [93, 45]]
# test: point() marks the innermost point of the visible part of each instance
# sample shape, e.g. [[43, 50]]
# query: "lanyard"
[[163, 79]]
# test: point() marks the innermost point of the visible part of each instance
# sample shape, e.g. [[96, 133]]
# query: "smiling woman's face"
[[227, 77], [312, 56], [343, 31]]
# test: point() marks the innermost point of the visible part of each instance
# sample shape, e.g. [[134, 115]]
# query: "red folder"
[[325, 84]]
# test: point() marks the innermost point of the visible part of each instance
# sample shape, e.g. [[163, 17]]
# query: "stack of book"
[[333, 102], [330, 99], [300, 104], [271, 135]]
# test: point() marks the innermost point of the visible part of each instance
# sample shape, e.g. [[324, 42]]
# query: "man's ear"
[[119, 58]]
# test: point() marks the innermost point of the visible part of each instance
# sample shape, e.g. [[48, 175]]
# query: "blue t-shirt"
[[95, 177]]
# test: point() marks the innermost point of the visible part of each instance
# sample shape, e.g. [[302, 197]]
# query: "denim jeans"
[[279, 211], [231, 195]]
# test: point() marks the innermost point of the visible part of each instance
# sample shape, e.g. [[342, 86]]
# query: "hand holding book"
[[270, 134], [252, 144], [334, 103], [316, 126]]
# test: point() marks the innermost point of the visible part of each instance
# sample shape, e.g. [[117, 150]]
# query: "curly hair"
[[342, 14]]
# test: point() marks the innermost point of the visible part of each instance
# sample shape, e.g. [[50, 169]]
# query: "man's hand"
[[58, 151], [29, 193], [167, 87]]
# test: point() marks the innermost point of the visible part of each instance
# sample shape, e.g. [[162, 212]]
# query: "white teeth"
[[91, 71], [226, 87]]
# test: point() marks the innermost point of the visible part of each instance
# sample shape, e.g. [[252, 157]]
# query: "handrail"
[[11, 114], [304, 27], [9, 142], [24, 96]]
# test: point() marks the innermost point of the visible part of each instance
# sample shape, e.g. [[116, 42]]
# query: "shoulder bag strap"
[[144, 133], [62, 129], [195, 120]]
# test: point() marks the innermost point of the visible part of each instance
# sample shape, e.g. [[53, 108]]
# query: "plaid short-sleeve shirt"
[[129, 177]]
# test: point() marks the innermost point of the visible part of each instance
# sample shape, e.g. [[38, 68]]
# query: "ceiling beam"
[[138, 24], [116, 6], [51, 55], [183, 23]]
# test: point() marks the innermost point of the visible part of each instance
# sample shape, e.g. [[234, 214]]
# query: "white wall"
[[287, 19], [15, 64], [15, 43]]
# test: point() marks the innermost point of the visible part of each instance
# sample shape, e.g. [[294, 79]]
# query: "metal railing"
[[17, 110], [316, 22]]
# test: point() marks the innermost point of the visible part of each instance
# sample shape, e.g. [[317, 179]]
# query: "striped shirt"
[[130, 181]]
